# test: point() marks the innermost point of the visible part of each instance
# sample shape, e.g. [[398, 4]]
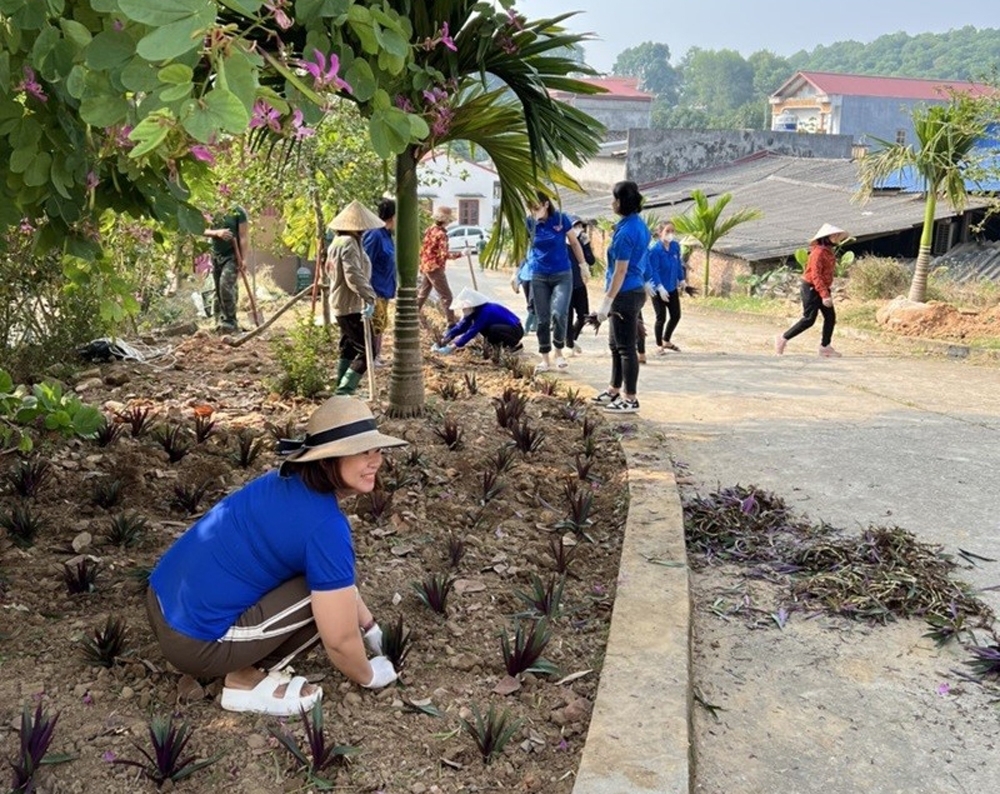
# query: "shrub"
[[878, 278], [304, 358]]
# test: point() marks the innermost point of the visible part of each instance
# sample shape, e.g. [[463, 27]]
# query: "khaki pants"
[[438, 281]]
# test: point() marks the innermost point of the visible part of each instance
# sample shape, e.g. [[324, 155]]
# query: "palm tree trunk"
[[918, 287], [708, 256], [406, 386]]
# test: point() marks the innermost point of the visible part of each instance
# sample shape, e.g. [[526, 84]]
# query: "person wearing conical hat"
[[434, 255], [269, 573], [351, 291], [817, 281], [498, 325]]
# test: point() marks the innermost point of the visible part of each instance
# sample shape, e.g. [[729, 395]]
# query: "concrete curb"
[[639, 736]]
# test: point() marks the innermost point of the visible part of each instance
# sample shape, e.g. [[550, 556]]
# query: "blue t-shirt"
[[381, 250], [479, 319], [549, 252], [268, 532], [664, 264], [629, 242]]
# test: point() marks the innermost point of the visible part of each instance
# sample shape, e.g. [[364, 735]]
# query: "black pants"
[[663, 308], [812, 304], [622, 338], [352, 341], [503, 334], [579, 302]]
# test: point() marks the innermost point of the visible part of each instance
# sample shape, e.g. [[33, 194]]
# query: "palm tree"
[[947, 136], [702, 223]]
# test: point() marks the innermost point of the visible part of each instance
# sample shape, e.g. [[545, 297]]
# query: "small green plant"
[[126, 531], [562, 554], [58, 411], [573, 397], [524, 653], [492, 732], [317, 756], [945, 628], [249, 445], [35, 737], [456, 550], [844, 260], [138, 419], [103, 647], [166, 761], [29, 477], [187, 497], [471, 385], [106, 493], [526, 438], [140, 575], [450, 432], [490, 486], [449, 390], [579, 502], [510, 408], [396, 643], [545, 599], [22, 526], [433, 591], [173, 439], [81, 578], [108, 432], [304, 358], [204, 427]]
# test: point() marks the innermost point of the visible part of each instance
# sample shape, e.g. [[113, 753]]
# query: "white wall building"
[[471, 189]]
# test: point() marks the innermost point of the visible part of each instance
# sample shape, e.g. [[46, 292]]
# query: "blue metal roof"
[[986, 154]]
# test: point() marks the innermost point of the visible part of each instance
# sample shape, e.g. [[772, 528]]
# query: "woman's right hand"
[[383, 673], [828, 302]]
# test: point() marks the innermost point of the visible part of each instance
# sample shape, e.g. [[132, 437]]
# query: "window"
[[900, 137], [468, 212]]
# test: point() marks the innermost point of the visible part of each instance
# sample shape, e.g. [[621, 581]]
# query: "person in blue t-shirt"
[[624, 296], [381, 250], [553, 243], [498, 325], [521, 280], [667, 274], [268, 573]]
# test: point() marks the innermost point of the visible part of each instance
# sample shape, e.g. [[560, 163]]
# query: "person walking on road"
[[624, 296], [434, 256], [381, 250], [230, 238], [817, 280], [666, 271], [353, 297]]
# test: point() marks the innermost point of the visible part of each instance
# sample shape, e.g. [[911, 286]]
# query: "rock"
[[127, 693], [93, 372], [352, 698], [902, 314], [237, 363], [88, 384], [256, 742], [181, 329], [464, 662], [189, 690], [144, 699], [418, 788], [82, 541], [116, 379]]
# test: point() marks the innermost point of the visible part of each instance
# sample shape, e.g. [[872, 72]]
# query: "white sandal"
[[261, 699]]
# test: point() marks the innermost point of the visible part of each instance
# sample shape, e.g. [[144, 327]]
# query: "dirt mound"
[[935, 320]]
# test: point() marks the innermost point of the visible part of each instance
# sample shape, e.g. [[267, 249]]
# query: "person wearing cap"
[[268, 573], [579, 301], [352, 294], [817, 281], [381, 250], [434, 255], [498, 325]]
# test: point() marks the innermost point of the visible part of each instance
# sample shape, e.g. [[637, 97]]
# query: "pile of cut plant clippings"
[[881, 575]]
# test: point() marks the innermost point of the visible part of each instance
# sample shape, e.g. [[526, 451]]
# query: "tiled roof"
[[831, 83], [617, 88]]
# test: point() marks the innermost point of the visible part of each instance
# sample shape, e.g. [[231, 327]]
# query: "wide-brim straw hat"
[[340, 426], [469, 299], [826, 230], [443, 214], [356, 217]]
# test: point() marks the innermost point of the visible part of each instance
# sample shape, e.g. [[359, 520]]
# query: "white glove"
[[605, 310], [383, 673], [681, 286], [662, 292], [515, 284], [373, 640], [650, 288], [368, 311]]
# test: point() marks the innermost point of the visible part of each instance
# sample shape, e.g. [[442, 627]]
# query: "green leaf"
[[25, 445], [87, 421], [37, 174], [219, 111], [175, 74], [75, 32], [140, 76], [158, 15], [241, 78], [176, 92], [418, 127], [308, 10], [248, 8], [172, 41], [390, 132], [104, 111], [109, 50], [150, 133], [6, 382], [361, 79], [21, 158]]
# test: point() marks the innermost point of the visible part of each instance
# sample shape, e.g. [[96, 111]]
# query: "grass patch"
[[746, 304]]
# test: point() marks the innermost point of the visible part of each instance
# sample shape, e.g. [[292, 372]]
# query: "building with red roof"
[[862, 106], [619, 105]]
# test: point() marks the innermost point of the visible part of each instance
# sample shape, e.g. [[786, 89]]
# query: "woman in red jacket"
[[817, 279]]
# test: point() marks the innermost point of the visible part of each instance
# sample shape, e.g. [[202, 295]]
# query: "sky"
[[782, 26]]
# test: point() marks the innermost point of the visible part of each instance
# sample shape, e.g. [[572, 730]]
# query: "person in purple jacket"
[[497, 324]]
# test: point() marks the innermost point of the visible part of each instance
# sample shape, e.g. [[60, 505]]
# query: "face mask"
[[669, 238]]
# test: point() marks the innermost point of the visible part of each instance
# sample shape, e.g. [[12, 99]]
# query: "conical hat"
[[826, 230], [469, 299], [356, 217]]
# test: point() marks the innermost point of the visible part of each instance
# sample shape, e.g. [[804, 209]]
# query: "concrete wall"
[[599, 173], [616, 114], [659, 154], [873, 117]]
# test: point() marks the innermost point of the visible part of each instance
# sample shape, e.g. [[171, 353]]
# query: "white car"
[[467, 238]]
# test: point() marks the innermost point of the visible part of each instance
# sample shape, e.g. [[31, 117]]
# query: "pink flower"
[[224, 190], [516, 21], [88, 700], [26, 227], [447, 40], [31, 86], [944, 689], [121, 136], [403, 103], [92, 180], [108, 757], [203, 153], [507, 43], [324, 72], [299, 130], [118, 25], [265, 116], [280, 17], [563, 745]]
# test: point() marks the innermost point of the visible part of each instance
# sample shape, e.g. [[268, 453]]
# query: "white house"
[[471, 189]]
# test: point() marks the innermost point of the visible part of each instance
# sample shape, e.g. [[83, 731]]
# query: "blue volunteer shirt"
[[480, 318], [381, 250], [665, 267], [268, 532], [629, 242], [549, 251]]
